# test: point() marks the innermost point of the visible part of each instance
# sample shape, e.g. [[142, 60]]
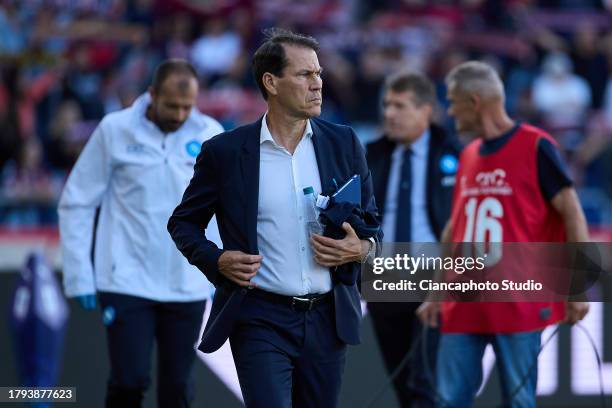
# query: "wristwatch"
[[369, 256]]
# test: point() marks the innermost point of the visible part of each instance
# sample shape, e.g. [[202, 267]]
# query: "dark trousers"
[[133, 323], [397, 329], [287, 358]]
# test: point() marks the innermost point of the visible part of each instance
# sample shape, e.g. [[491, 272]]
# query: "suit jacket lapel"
[[434, 147], [384, 167], [323, 149], [249, 165]]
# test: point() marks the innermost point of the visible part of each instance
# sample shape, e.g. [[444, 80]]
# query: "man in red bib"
[[512, 186]]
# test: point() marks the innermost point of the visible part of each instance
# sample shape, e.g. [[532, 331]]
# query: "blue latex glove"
[[87, 302]]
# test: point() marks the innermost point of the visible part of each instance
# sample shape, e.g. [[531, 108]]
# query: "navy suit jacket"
[[226, 183]]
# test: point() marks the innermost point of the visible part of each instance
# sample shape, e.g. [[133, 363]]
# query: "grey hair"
[[475, 77]]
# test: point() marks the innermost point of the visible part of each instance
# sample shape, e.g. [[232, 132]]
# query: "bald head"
[[174, 66], [173, 94], [476, 78]]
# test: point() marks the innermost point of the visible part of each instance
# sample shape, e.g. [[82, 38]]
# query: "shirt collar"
[[266, 136], [141, 104], [419, 148]]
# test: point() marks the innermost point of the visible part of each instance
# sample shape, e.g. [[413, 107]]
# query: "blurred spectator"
[[607, 98], [47, 26], [65, 142], [19, 97], [140, 11], [214, 53], [83, 81], [562, 97], [519, 81], [443, 64], [12, 33], [339, 78], [179, 36], [593, 163], [375, 63], [28, 192], [590, 62], [10, 134]]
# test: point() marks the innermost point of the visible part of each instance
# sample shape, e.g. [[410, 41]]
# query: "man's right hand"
[[239, 267], [87, 302], [428, 313], [575, 311]]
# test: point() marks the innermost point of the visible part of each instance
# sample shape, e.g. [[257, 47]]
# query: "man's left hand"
[[333, 252]]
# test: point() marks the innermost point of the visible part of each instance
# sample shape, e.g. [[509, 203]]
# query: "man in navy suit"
[[279, 300], [413, 168]]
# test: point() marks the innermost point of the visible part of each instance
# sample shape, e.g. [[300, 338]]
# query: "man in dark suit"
[[413, 169], [278, 297]]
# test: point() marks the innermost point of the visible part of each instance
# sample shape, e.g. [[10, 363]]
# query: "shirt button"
[[303, 248], [301, 218]]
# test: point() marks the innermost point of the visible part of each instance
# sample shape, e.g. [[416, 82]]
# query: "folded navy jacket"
[[363, 222]]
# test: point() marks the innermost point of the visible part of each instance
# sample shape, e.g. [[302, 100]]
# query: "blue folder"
[[349, 192]]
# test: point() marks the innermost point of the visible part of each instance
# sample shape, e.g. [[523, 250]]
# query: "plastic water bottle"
[[312, 213]]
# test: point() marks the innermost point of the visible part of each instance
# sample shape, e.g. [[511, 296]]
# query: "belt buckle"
[[301, 301]]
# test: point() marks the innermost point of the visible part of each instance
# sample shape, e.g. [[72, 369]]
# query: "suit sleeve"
[[187, 225], [368, 202], [82, 195]]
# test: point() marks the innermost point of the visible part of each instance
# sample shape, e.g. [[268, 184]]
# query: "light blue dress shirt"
[[288, 267], [420, 227]]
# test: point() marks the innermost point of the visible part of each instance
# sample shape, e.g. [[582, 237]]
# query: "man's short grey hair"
[[475, 77]]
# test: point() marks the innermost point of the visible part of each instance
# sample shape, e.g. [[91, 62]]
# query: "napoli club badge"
[[193, 148], [448, 164]]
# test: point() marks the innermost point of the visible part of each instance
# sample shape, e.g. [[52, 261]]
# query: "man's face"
[[404, 120], [299, 90], [172, 103], [462, 108]]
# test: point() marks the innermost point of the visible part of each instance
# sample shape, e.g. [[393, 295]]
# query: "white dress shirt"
[[137, 175], [420, 227], [288, 267]]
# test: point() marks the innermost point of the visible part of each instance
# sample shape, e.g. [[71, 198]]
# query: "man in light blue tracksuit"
[[135, 168]]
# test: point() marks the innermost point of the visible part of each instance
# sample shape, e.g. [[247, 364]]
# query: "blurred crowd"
[[64, 64]]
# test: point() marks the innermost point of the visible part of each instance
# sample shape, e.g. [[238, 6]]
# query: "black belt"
[[297, 303]]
